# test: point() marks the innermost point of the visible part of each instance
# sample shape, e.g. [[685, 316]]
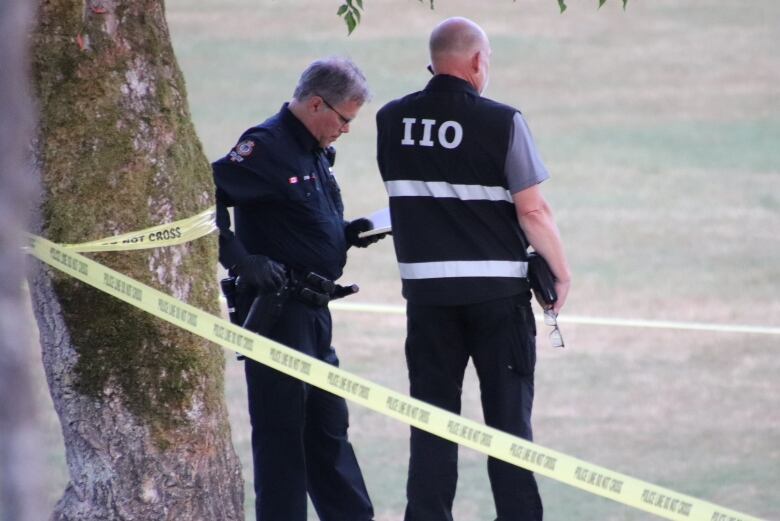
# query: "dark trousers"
[[299, 432], [499, 336]]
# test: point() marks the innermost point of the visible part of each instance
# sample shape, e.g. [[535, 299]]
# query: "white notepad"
[[381, 221]]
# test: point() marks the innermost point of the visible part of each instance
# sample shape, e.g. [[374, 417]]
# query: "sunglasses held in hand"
[[551, 319]]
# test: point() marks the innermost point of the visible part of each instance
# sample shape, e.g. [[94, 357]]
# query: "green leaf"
[[342, 10], [357, 14], [601, 2], [349, 3], [562, 5], [625, 2], [351, 22], [359, 3]]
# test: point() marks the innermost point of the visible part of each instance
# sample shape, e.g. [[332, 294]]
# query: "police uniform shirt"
[[451, 160], [287, 204]]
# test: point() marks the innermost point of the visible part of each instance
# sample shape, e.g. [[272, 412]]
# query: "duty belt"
[[307, 287]]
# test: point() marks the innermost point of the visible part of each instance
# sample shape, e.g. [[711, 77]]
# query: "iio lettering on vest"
[[441, 134]]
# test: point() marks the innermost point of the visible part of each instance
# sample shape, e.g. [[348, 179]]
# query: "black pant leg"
[[501, 339], [436, 359], [335, 481], [277, 410]]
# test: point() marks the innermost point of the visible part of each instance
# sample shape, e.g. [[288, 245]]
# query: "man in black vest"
[[462, 173], [289, 219]]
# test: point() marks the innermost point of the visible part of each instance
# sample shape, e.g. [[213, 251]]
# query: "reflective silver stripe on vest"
[[446, 269], [440, 189]]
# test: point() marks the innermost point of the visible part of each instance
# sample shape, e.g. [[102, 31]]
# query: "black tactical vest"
[[442, 153]]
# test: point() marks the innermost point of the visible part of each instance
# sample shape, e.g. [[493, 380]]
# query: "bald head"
[[459, 47], [456, 36]]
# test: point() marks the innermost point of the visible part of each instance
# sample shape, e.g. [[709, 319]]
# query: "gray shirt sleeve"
[[523, 167]]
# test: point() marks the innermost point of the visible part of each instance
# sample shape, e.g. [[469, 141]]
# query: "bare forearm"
[[536, 220], [542, 233]]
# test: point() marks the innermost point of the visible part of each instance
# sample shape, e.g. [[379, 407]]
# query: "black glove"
[[262, 273], [358, 226]]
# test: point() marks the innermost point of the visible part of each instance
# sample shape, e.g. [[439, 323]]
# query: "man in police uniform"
[[289, 218], [462, 173]]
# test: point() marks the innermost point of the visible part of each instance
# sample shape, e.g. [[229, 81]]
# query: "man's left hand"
[[358, 226]]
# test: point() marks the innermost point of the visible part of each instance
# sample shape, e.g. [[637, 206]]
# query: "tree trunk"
[[140, 401], [20, 459]]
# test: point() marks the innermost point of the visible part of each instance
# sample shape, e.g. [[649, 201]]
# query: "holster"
[[259, 317], [265, 311]]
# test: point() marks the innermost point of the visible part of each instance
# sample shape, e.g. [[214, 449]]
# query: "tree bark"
[[140, 401], [20, 460]]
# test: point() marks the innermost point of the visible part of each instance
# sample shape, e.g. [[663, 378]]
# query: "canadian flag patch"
[[293, 180]]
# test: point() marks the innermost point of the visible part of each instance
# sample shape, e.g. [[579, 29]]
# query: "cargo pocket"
[[524, 341]]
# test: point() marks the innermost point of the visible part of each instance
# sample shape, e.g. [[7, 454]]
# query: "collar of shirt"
[[445, 82], [298, 129]]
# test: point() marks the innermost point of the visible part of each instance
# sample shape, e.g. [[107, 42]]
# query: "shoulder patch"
[[245, 148], [242, 150]]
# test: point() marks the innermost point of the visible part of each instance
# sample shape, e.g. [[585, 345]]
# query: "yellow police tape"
[[591, 478], [169, 234]]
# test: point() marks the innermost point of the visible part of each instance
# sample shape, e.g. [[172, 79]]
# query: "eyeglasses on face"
[[344, 120], [551, 319]]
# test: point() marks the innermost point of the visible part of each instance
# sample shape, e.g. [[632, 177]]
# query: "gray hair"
[[335, 79]]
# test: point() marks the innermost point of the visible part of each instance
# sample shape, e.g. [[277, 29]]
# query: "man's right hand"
[[262, 273], [562, 289]]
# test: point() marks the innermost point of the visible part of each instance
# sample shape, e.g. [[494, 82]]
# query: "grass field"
[[660, 125]]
